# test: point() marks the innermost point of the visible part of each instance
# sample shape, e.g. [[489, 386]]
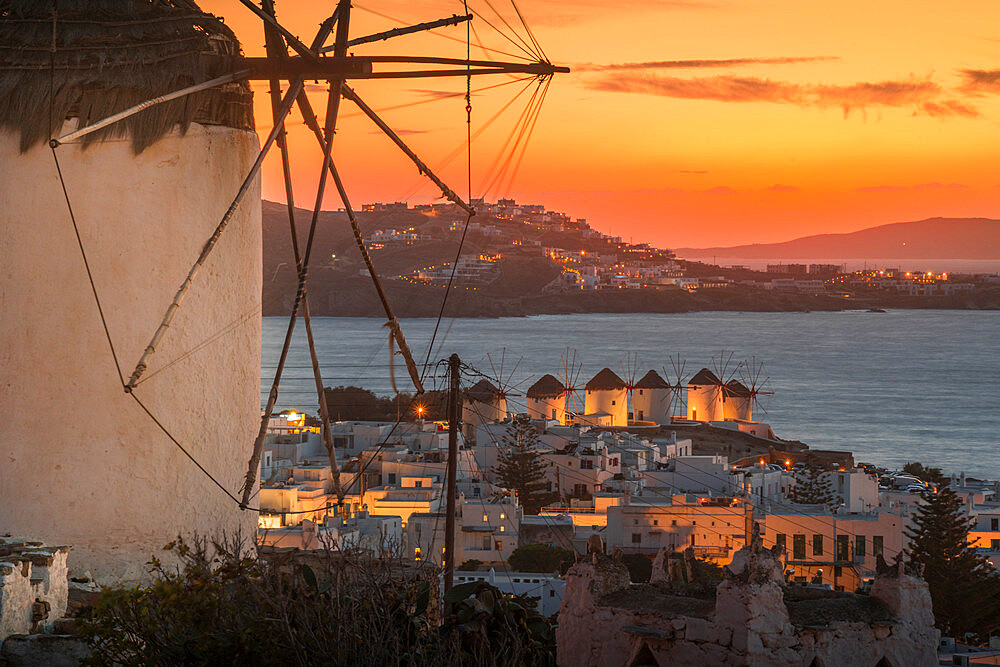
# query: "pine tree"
[[812, 486], [520, 467], [965, 590]]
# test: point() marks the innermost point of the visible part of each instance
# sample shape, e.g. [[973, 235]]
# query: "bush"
[[639, 568], [541, 558], [225, 604]]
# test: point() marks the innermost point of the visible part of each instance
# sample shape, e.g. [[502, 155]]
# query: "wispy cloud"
[[699, 63], [923, 95], [981, 80]]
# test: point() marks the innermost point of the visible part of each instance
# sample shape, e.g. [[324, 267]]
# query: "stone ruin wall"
[[750, 624]]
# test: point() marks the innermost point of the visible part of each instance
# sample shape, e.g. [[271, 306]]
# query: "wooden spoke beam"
[[398, 32], [361, 67]]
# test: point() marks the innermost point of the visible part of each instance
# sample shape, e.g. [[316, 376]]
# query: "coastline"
[[355, 297]]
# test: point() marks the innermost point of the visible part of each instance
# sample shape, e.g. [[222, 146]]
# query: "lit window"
[[486, 517], [502, 528], [502, 515]]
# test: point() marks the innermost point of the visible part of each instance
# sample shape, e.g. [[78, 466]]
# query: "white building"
[[548, 588]]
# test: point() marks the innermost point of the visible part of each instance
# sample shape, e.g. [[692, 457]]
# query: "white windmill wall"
[[612, 401], [704, 402], [651, 404], [547, 407], [738, 408], [475, 412], [82, 464]]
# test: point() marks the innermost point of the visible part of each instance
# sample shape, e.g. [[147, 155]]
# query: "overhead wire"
[[438, 34], [791, 508]]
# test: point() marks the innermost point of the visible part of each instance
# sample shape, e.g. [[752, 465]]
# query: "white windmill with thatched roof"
[[606, 399], [132, 252], [652, 398]]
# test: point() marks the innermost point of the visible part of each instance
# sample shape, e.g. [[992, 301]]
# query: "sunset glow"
[[686, 122]]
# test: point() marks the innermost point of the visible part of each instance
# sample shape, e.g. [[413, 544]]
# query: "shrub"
[[225, 604]]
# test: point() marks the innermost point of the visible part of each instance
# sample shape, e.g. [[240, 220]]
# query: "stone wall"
[[754, 620], [34, 587]]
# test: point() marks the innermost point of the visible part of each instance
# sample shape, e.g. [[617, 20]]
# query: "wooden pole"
[[453, 425]]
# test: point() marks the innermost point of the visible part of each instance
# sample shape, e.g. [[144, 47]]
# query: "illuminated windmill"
[[607, 398], [486, 402], [167, 225], [652, 398]]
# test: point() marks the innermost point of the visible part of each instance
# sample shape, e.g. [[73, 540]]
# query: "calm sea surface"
[[894, 387]]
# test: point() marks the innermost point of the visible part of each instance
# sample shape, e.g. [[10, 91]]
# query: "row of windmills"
[[608, 399]]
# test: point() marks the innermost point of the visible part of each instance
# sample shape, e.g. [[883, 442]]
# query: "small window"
[[499, 545], [656, 522], [817, 545], [502, 516], [635, 522], [877, 545], [843, 547], [552, 593], [418, 484], [612, 402], [636, 538], [799, 547], [503, 528], [673, 522], [780, 542], [859, 545], [486, 518], [392, 478], [994, 524]]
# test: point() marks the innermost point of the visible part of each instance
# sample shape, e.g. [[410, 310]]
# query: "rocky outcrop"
[[755, 620]]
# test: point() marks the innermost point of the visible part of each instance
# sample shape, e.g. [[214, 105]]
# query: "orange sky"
[[687, 122]]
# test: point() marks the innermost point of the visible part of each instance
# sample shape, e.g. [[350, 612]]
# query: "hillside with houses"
[[523, 259]]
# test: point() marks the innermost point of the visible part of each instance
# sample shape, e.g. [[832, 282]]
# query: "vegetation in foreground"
[[224, 604]]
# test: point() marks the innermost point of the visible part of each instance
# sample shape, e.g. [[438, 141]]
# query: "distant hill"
[[934, 238]]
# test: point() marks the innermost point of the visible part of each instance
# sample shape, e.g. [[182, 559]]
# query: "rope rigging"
[[279, 40]]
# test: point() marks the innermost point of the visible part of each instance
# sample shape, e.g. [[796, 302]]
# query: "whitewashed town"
[[160, 504]]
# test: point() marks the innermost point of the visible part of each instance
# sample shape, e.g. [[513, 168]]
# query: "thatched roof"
[[547, 386], [482, 391], [652, 380], [704, 376], [736, 388], [605, 379], [110, 55]]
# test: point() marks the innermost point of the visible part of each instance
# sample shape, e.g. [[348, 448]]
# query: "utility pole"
[[453, 425]]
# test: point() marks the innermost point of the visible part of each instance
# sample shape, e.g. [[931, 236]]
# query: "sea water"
[[906, 385]]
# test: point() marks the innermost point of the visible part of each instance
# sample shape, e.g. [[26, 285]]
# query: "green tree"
[[812, 486], [541, 558], [520, 466], [929, 475], [965, 590]]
